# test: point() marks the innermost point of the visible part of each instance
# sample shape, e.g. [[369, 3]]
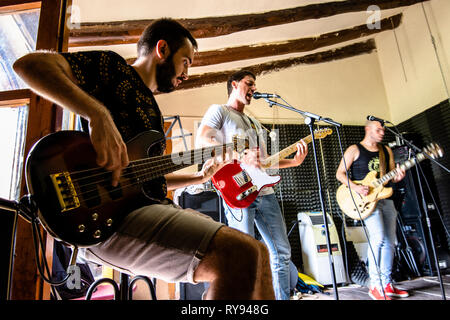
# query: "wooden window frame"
[[43, 118]]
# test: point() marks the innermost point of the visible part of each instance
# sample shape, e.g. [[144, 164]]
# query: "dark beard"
[[165, 72]]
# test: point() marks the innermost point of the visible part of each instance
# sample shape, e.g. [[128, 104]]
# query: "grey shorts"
[[160, 241]]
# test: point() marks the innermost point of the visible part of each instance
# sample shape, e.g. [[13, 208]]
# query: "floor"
[[423, 288]]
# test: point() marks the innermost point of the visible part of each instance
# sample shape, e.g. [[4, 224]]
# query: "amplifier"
[[209, 203], [314, 247]]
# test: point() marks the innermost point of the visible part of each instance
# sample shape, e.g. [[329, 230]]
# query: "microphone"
[[372, 118], [397, 143], [394, 144], [258, 95]]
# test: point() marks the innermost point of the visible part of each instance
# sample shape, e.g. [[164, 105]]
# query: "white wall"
[[401, 79], [409, 62], [344, 90]]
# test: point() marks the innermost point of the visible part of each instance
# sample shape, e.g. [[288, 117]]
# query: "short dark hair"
[[164, 29], [238, 76]]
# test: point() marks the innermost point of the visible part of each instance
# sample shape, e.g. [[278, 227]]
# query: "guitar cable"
[[229, 209], [234, 217], [359, 214], [38, 246]]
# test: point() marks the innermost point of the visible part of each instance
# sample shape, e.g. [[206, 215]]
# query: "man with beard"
[[116, 101]]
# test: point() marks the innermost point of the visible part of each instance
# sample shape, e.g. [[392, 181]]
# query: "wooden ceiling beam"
[[291, 46], [200, 80], [126, 32]]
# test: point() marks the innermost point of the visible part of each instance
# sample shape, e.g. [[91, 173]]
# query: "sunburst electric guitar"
[[76, 202], [239, 184], [363, 206]]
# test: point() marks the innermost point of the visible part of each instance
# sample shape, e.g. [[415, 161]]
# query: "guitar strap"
[[382, 158], [250, 124]]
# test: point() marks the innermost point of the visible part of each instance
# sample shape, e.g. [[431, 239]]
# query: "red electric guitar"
[[239, 184]]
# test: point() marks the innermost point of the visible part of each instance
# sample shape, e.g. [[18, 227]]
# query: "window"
[[18, 34]]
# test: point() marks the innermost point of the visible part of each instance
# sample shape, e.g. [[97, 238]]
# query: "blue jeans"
[[266, 214], [381, 225]]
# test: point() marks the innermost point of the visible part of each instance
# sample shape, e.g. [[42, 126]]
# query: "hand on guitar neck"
[[399, 173]]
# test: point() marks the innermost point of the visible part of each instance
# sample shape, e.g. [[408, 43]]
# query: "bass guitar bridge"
[[65, 191]]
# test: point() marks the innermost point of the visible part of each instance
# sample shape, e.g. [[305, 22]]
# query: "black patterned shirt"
[[106, 76]]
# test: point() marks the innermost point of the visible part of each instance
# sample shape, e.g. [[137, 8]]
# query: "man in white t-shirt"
[[219, 125]]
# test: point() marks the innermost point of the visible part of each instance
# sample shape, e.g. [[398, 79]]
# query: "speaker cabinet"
[[8, 221], [207, 202], [409, 203]]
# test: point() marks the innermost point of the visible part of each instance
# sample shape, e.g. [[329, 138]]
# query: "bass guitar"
[[76, 201], [359, 207], [239, 184]]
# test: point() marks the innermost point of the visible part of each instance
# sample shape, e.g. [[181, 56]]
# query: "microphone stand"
[[414, 151], [413, 147], [310, 118]]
